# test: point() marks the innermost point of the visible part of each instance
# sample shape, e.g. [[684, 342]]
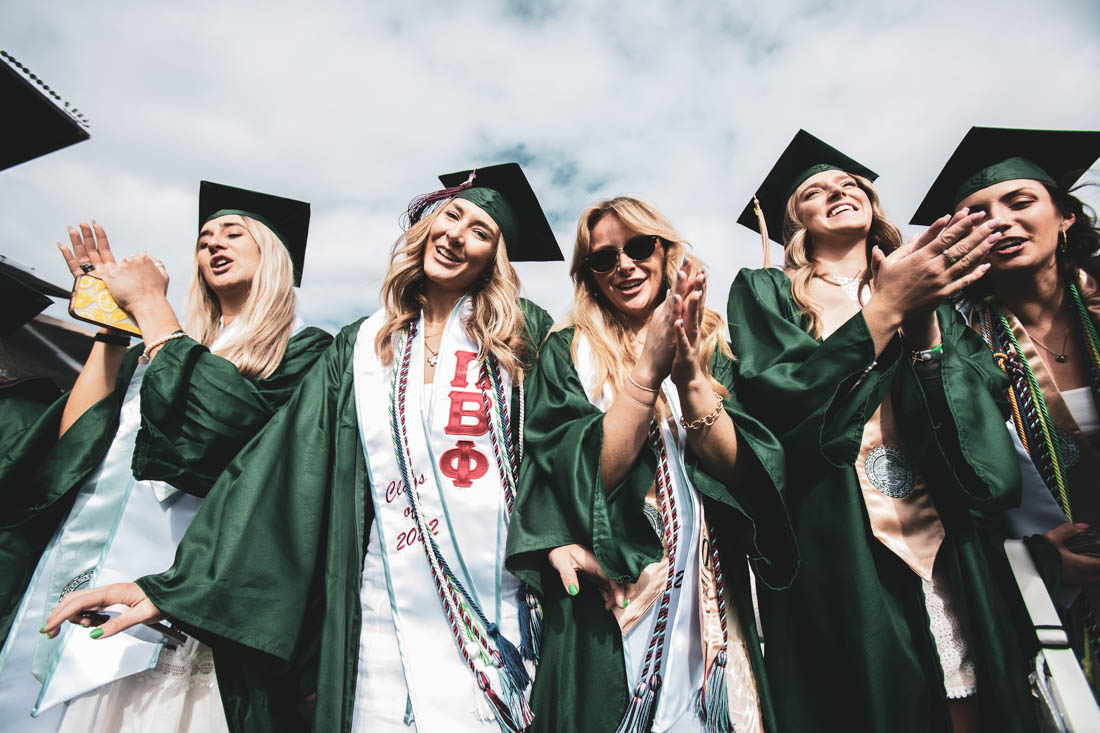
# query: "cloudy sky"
[[355, 107]]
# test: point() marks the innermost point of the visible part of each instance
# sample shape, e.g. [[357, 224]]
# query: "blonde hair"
[[267, 319], [496, 322], [798, 252], [593, 314]]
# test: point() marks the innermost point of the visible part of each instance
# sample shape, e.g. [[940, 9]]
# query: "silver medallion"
[[889, 472], [77, 582], [1068, 450], [654, 518]]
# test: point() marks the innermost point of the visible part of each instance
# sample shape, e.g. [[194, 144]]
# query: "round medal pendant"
[[889, 472], [1068, 450], [1061, 358]]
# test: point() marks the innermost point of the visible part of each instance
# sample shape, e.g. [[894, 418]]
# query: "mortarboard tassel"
[[763, 232]]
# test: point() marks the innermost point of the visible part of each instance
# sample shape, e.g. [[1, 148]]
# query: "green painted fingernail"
[[42, 630], [573, 589], [625, 603], [96, 633]]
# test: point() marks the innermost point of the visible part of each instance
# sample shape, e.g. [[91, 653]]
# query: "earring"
[[1064, 243]]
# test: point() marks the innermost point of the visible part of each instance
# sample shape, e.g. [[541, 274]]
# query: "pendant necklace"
[[1059, 356], [434, 358]]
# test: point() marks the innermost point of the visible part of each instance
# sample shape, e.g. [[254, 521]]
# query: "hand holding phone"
[[92, 302]]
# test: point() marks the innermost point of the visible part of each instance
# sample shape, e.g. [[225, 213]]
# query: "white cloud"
[[355, 107]]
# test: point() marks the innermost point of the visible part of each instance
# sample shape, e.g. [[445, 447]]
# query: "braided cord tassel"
[[713, 707], [638, 717]]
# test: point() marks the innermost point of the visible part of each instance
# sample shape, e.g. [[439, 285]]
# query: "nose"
[[834, 191], [625, 262]]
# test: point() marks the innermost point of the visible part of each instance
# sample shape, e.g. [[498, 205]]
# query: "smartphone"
[[145, 632], [92, 302]]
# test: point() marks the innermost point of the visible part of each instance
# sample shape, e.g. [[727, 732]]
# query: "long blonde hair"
[[496, 323], [594, 316], [267, 319], [798, 252]]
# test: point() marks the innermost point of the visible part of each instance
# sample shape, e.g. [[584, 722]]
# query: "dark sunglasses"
[[636, 248]]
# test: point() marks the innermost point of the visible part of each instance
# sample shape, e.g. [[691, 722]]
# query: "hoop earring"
[[1064, 244]]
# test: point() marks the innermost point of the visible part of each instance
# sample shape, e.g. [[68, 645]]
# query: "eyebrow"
[[478, 219]]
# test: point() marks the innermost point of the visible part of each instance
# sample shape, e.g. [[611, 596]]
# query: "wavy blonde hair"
[[594, 316], [798, 252], [267, 319], [496, 322]]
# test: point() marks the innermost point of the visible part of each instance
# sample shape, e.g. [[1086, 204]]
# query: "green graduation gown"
[[848, 645], [269, 572], [581, 683], [197, 412]]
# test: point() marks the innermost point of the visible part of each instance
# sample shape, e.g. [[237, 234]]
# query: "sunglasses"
[[636, 248]]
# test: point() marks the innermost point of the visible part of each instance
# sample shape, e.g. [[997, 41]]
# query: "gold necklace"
[[1059, 356]]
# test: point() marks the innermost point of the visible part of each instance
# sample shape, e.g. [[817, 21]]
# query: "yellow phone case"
[[93, 303]]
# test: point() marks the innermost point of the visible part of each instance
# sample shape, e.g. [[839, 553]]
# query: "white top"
[[1083, 409]]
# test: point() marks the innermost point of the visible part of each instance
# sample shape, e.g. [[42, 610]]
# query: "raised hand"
[[691, 289], [568, 560], [90, 253], [73, 607], [137, 280]]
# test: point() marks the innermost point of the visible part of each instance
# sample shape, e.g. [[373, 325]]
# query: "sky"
[[356, 107]]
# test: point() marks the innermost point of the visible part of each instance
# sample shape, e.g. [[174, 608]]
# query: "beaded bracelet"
[[706, 420], [145, 358]]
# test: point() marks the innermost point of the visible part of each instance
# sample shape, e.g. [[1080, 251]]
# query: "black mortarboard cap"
[[804, 156], [504, 193], [287, 218], [19, 303], [990, 155], [34, 123]]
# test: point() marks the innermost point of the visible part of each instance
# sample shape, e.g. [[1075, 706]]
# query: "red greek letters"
[[464, 463]]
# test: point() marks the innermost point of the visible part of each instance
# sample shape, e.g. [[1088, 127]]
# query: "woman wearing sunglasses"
[[361, 535], [143, 434], [643, 473], [890, 412], [1038, 310]]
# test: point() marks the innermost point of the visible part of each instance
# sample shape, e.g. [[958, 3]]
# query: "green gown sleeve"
[[562, 499], [247, 566], [808, 392], [198, 411]]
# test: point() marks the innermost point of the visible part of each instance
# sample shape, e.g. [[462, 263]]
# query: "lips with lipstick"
[[631, 286]]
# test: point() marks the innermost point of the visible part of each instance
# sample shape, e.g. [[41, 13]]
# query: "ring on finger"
[[160, 264], [86, 267], [951, 259]]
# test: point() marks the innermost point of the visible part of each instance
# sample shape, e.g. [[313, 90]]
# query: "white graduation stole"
[[459, 484], [119, 529]]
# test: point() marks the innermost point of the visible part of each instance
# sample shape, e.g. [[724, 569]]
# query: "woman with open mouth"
[[1038, 310], [143, 435], [361, 535], [889, 410], [644, 474]]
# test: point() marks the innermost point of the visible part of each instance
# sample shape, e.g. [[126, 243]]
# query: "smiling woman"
[[646, 478], [1038, 309], [143, 435]]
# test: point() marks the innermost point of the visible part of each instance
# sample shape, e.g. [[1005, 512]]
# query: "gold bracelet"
[[146, 358], [644, 389], [637, 401], [706, 420]]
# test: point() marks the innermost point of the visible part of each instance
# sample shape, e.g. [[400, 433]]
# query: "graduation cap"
[[35, 123], [990, 155], [19, 302], [805, 156], [503, 192], [287, 218]]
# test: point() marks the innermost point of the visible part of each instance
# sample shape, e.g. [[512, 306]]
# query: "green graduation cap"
[[990, 155], [287, 218], [805, 156], [36, 120], [504, 194]]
